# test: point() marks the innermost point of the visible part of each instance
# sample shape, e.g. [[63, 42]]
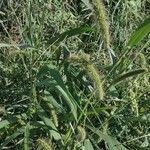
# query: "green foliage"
[[112, 142], [57, 89]]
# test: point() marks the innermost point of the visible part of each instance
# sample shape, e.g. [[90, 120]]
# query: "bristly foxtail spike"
[[103, 21]]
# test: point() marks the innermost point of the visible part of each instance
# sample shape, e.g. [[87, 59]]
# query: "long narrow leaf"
[[140, 33], [64, 92], [69, 101], [69, 33], [50, 99], [127, 75]]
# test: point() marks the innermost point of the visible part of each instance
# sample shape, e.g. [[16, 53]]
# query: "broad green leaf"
[[69, 33], [88, 145], [146, 143], [140, 33], [111, 141], [55, 78]]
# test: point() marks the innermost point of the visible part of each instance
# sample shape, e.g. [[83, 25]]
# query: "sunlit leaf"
[[140, 33]]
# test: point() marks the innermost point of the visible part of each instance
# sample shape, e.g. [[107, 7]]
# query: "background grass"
[[59, 86]]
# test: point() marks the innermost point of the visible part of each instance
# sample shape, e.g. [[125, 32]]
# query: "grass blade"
[[127, 75], [140, 33], [69, 33], [69, 99], [64, 92]]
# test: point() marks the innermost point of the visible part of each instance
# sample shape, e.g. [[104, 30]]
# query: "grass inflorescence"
[[103, 21]]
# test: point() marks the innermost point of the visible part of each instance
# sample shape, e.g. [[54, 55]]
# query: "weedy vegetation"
[[75, 74]]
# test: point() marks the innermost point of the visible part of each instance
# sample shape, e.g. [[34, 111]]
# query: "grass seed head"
[[103, 21], [44, 144], [81, 133]]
